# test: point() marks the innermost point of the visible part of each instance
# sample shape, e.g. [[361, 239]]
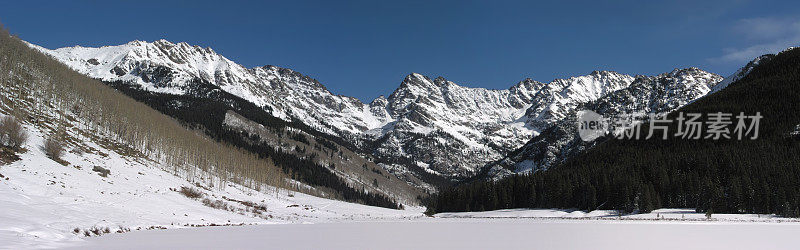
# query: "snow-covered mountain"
[[452, 130], [48, 205], [86, 160], [561, 96], [742, 72], [647, 94], [167, 67], [425, 127]]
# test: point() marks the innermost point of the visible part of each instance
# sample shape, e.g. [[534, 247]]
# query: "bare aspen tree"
[[11, 132], [37, 86]]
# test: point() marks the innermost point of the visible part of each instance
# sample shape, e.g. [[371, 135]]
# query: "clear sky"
[[365, 48]]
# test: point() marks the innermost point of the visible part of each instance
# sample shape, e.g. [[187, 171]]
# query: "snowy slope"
[[647, 94], [440, 124], [167, 67], [425, 127], [742, 72], [561, 96], [43, 201]]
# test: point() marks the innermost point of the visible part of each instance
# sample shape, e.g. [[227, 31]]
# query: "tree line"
[[713, 176], [42, 91], [205, 108]]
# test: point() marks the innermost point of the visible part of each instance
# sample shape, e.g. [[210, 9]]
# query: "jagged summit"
[[648, 94], [166, 67], [431, 124]]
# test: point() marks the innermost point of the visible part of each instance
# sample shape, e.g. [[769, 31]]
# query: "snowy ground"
[[42, 202], [467, 234]]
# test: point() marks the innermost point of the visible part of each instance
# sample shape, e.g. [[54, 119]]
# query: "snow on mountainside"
[[437, 123], [647, 94], [742, 72], [440, 124], [118, 172], [658, 94], [44, 202], [424, 121], [425, 127], [166, 67], [561, 96]]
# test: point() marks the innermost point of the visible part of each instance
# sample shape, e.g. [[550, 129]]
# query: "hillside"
[[188, 95], [646, 94], [428, 132], [48, 205], [729, 176], [95, 161]]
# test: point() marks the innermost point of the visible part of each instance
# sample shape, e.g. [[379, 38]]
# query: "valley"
[[399, 125]]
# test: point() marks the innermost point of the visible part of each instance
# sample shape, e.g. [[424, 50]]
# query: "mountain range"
[[426, 129], [741, 173]]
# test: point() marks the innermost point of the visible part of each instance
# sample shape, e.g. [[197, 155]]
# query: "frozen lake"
[[460, 233]]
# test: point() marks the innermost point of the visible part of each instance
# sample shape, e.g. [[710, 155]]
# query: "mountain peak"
[[528, 86], [690, 72], [136, 42], [378, 102], [163, 41], [604, 72], [416, 80], [421, 112], [413, 75], [742, 72]]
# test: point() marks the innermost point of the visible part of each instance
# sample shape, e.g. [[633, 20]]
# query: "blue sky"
[[365, 48]]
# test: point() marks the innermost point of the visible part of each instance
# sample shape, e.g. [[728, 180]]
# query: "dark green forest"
[[722, 176]]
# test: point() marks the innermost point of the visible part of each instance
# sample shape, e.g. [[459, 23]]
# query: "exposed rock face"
[[453, 130], [425, 127], [647, 94]]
